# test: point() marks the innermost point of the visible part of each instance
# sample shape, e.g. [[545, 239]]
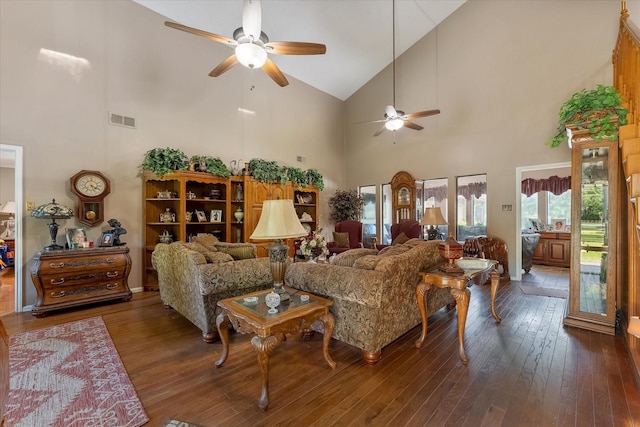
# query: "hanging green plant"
[[346, 205], [161, 161], [212, 165], [315, 178], [592, 110], [265, 170]]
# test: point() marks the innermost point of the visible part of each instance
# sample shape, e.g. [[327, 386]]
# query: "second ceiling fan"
[[252, 45], [396, 119]]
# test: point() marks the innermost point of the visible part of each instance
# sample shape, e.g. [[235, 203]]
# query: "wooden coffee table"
[[457, 283], [293, 316]]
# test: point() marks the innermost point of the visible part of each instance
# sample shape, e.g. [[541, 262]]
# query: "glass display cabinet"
[[595, 216]]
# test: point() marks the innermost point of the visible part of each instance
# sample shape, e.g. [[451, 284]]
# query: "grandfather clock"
[[403, 194]]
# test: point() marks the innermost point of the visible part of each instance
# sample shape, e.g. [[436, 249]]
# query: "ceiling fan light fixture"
[[251, 55], [394, 124]]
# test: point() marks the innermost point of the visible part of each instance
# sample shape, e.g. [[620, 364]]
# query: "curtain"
[[472, 189], [439, 193], [553, 184]]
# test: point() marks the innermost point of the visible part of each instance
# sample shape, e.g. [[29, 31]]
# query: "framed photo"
[[76, 235], [216, 215], [202, 217], [536, 224], [106, 239], [559, 224]]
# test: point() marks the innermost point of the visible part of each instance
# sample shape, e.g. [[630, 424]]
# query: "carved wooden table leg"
[[462, 297], [328, 322], [420, 291], [222, 322], [264, 346], [495, 282]]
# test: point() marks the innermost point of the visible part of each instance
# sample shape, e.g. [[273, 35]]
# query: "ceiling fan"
[[252, 45], [396, 119]]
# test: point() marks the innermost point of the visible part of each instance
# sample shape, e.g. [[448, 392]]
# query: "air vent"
[[120, 120]]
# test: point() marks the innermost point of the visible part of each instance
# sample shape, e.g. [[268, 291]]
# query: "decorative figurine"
[[117, 230]]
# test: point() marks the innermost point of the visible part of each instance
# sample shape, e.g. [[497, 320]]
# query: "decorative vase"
[[239, 214], [167, 216], [239, 193], [312, 259], [272, 300]]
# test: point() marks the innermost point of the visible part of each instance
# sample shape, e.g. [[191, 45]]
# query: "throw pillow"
[[400, 239], [207, 241], [367, 262], [238, 252], [196, 247], [341, 240], [217, 257]]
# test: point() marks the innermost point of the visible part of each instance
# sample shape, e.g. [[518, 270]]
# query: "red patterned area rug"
[[70, 375]]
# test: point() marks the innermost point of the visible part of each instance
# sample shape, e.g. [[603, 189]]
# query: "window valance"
[[553, 184], [476, 189], [438, 193]]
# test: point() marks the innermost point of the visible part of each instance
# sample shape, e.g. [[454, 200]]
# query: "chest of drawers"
[[71, 278]]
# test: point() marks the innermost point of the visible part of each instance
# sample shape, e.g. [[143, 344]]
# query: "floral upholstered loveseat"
[[193, 277], [373, 293]]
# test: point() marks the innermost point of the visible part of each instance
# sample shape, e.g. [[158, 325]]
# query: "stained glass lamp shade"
[[52, 211]]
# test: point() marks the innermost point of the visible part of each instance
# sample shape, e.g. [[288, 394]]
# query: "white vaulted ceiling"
[[357, 33]]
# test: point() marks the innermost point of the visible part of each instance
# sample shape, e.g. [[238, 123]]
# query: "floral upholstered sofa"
[[373, 293], [193, 277]]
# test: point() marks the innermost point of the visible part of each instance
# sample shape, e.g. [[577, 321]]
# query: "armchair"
[[411, 228], [496, 249], [354, 228]]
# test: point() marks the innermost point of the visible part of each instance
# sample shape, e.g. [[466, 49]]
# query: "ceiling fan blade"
[[413, 116], [274, 72], [211, 36], [412, 125], [379, 132], [390, 112], [296, 48], [224, 66], [252, 18]]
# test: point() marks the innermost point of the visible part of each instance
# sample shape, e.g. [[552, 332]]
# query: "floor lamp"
[[278, 221]]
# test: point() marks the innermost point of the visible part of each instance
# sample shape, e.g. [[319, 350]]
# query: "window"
[[529, 209], [559, 207], [387, 217], [471, 219], [433, 193], [369, 216]]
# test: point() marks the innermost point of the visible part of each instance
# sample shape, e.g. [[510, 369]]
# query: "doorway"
[[548, 169], [11, 161]]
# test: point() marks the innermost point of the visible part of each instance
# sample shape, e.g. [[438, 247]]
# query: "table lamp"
[[9, 208], [52, 211], [432, 219], [278, 221]]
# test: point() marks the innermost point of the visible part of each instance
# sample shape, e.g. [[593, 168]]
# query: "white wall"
[[140, 68], [498, 71]]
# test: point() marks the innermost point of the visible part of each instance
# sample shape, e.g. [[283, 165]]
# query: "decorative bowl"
[[472, 263], [251, 300]]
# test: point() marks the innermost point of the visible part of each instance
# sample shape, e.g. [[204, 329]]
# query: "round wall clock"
[[91, 187]]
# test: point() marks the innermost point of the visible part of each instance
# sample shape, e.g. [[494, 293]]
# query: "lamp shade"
[[634, 326], [52, 210], [278, 221], [433, 216], [8, 208]]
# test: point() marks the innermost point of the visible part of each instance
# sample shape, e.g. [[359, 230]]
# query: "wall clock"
[[91, 187]]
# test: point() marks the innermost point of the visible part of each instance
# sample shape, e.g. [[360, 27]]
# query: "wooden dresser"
[[553, 249], [71, 278]]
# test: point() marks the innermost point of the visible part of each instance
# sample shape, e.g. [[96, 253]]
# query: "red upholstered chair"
[[411, 228], [354, 228]]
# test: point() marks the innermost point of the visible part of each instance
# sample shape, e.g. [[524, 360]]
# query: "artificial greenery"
[[212, 165], [164, 160], [592, 110], [297, 176], [346, 205], [315, 178], [265, 170]]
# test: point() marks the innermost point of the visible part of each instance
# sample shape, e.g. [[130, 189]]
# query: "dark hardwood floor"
[[527, 371]]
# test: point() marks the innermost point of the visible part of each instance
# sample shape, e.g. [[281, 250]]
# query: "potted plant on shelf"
[[297, 176], [161, 161], [593, 110], [346, 205], [265, 170]]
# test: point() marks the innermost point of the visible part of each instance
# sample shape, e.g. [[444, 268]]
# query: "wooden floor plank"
[[527, 371]]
